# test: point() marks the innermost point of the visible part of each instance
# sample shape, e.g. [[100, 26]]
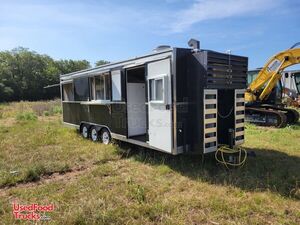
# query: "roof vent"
[[194, 44], [161, 48]]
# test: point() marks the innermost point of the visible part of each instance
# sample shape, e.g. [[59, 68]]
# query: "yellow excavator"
[[260, 92]]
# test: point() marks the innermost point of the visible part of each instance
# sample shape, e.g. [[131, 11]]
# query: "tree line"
[[25, 73]]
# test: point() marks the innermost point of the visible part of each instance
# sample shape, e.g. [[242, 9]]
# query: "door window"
[[156, 91]]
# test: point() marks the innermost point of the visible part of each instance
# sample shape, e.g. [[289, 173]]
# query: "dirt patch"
[[7, 122], [66, 175], [45, 179], [10, 121], [50, 118]]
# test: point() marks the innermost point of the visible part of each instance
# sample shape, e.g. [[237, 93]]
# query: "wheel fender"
[[98, 128]]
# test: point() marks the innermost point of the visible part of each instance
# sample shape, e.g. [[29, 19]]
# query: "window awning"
[[52, 85]]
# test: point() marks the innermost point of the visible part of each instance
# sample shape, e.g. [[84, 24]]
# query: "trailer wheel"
[[85, 131], [94, 134], [105, 136]]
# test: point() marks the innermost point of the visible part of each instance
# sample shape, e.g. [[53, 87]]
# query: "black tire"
[[105, 136], [94, 134], [84, 131]]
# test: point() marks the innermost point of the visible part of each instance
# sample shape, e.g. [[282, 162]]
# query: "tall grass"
[[26, 116], [9, 110], [143, 187]]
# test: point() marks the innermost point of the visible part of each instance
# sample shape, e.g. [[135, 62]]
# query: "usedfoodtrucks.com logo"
[[32, 211]]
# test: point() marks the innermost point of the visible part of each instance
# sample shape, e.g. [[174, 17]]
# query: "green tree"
[[25, 73], [101, 62], [69, 66]]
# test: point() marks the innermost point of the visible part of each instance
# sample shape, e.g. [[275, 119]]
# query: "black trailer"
[[176, 100]]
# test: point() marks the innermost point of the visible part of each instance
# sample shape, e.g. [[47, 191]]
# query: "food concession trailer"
[[175, 100]]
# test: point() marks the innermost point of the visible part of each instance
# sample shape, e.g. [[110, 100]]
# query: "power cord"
[[224, 117], [224, 149]]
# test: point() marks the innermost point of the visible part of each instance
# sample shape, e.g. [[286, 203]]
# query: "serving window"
[[116, 85], [100, 87], [68, 92], [81, 89]]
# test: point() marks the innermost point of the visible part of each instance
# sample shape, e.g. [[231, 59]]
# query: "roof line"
[[115, 63]]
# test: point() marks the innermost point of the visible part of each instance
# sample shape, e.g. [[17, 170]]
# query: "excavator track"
[[296, 115], [292, 115], [265, 117]]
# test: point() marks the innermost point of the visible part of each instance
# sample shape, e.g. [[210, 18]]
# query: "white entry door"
[[136, 109], [159, 104]]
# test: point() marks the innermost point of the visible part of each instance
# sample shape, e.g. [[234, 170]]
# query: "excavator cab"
[[251, 75], [275, 97]]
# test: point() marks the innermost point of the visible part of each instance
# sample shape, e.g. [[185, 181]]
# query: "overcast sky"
[[115, 30]]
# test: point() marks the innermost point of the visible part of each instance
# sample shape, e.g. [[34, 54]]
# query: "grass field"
[[43, 162]]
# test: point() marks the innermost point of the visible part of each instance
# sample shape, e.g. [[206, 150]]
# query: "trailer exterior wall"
[[112, 116], [199, 74]]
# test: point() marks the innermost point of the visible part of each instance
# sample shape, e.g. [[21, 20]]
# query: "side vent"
[[210, 109], [226, 71], [239, 113]]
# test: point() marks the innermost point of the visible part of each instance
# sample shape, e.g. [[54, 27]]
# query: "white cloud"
[[109, 18], [203, 10]]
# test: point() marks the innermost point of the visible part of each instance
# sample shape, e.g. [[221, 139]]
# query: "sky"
[[115, 30]]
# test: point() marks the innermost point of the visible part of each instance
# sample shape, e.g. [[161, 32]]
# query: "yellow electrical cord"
[[226, 150]]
